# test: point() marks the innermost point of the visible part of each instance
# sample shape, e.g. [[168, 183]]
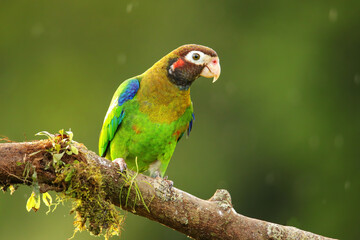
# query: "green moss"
[[93, 212], [84, 186]]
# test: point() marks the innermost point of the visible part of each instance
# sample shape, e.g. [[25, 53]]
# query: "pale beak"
[[212, 69]]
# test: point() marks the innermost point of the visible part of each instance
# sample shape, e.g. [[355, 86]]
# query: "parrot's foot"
[[121, 163], [156, 175], [171, 183]]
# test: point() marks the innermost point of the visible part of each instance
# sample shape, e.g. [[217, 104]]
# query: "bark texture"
[[200, 219]]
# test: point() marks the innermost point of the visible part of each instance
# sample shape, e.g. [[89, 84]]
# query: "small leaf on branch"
[[33, 202], [12, 189], [47, 199], [57, 156], [74, 150]]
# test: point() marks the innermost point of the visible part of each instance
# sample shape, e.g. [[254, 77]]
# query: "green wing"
[[115, 114]]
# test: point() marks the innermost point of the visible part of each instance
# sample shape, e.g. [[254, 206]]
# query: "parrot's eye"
[[196, 56]]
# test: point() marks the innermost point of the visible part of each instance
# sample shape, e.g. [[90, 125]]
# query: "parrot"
[[150, 113]]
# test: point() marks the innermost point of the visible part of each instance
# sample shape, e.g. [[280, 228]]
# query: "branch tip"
[[221, 195]]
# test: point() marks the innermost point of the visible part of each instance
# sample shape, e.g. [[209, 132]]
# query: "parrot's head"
[[188, 62]]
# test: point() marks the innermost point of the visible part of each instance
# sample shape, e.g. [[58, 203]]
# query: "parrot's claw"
[[121, 163], [156, 175], [171, 183]]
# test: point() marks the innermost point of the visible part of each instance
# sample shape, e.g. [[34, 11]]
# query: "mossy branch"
[[158, 200]]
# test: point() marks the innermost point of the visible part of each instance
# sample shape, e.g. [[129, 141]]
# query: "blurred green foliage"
[[280, 129]]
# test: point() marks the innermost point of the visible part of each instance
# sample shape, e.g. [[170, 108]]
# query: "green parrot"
[[149, 113]]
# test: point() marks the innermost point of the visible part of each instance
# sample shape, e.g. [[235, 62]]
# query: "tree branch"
[[200, 219]]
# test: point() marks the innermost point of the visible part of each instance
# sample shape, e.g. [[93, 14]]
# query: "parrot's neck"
[[158, 97]]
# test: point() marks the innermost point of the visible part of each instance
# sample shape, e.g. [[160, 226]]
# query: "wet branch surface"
[[200, 219]]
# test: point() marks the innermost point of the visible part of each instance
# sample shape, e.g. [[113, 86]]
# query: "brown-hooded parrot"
[[149, 113]]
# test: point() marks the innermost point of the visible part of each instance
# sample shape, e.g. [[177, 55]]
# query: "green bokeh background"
[[280, 129]]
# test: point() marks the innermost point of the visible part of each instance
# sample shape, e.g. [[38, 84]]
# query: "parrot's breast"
[[145, 139], [150, 139]]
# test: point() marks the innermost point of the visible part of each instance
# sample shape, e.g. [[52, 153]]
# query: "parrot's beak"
[[212, 69]]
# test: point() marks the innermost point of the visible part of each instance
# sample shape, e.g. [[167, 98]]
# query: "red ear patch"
[[178, 63]]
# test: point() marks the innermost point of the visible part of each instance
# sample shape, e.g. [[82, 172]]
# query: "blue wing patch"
[[129, 92]]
